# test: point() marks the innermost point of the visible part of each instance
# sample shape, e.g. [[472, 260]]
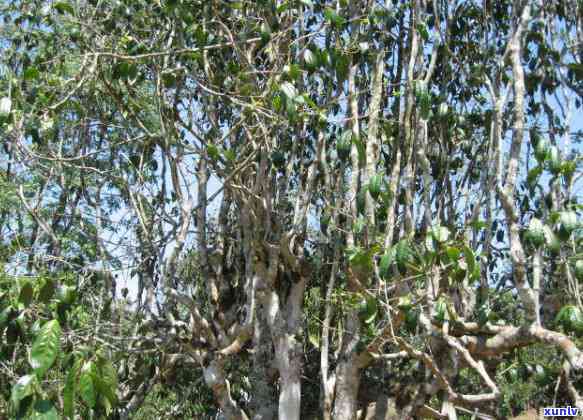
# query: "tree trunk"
[[348, 372]]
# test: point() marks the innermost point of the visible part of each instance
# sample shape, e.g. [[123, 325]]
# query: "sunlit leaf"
[[440, 233], [5, 106], [289, 90]]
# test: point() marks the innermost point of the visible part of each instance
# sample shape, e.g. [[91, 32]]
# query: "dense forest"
[[290, 209]]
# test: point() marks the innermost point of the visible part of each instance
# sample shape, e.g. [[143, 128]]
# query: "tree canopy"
[[301, 209]]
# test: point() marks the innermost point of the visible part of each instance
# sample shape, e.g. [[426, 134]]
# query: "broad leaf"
[[31, 73], [579, 270], [359, 258], [70, 390], [47, 291], [63, 7], [22, 389], [470, 259], [440, 234], [87, 388], [44, 410], [25, 296], [533, 176], [570, 317], [107, 380], [404, 255], [5, 106], [46, 347], [289, 90], [314, 336], [385, 263], [370, 312], [334, 18], [5, 316]]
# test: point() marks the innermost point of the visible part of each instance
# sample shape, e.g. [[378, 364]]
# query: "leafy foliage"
[[206, 204]]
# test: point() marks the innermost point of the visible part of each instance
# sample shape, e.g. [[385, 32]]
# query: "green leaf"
[[63, 7], [360, 147], [405, 303], [568, 220], [70, 390], [47, 291], [541, 147], [5, 316], [453, 253], [577, 68], [276, 102], [107, 380], [422, 29], [423, 99], [31, 73], [361, 199], [44, 410], [26, 292], [471, 262], [358, 257], [67, 294], [265, 33], [570, 317], [440, 234], [371, 310], [278, 159], [443, 110], [314, 336], [300, 99], [334, 18], [22, 389], [554, 161], [411, 319], [568, 168], [579, 270], [479, 224], [289, 90], [441, 312], [385, 263], [551, 241], [125, 70], [430, 243], [169, 80], [484, 314], [403, 255], [344, 144], [342, 64], [213, 152], [87, 384], [294, 71], [367, 309], [46, 347], [291, 110], [359, 225], [375, 185], [535, 233], [310, 59], [533, 176], [5, 106]]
